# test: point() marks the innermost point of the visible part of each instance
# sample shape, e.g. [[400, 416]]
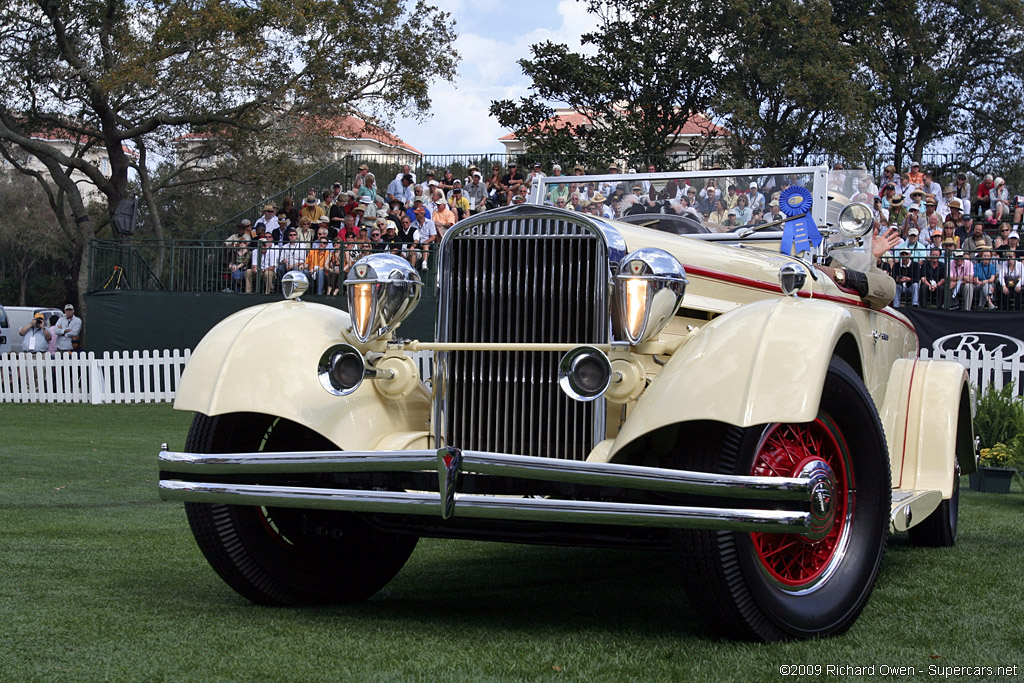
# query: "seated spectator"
[[933, 277], [914, 247], [400, 190], [915, 176], [407, 236], [264, 266], [496, 190], [949, 233], [427, 235], [376, 234], [268, 221], [364, 171], [292, 254], [369, 188], [444, 217], [305, 232], [978, 239], [1010, 275], [447, 182], [288, 206], [475, 192], [954, 212], [1012, 243], [985, 276], [982, 202], [744, 214], [512, 181], [897, 212], [962, 190], [459, 204], [239, 263], [311, 209], [999, 198], [283, 223], [719, 212], [906, 273], [961, 281], [905, 186]]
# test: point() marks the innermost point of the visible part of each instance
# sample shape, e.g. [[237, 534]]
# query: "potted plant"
[[996, 468], [999, 425]]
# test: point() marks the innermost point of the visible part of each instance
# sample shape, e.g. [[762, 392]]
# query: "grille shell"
[[510, 277]]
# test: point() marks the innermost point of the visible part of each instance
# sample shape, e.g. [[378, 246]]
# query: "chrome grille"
[[539, 279]]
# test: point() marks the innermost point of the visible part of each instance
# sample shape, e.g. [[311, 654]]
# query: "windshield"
[[717, 200], [3, 317]]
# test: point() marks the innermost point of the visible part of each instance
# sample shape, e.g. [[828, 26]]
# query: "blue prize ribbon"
[[800, 232]]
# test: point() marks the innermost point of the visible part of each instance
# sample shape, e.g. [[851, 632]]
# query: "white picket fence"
[[118, 377], [985, 368], [152, 376]]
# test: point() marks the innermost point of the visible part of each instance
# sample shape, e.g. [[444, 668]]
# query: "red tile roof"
[[354, 128], [698, 124]]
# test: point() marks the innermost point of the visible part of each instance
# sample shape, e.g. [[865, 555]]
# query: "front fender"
[[264, 359], [764, 362]]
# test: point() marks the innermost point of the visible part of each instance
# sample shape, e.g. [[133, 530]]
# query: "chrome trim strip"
[[499, 464], [486, 507]]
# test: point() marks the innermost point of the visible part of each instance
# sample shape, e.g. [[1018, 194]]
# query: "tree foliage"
[[130, 77], [789, 88], [650, 69], [789, 79], [31, 239], [942, 71]]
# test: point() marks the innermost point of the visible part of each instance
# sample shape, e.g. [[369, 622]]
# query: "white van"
[[5, 332], [19, 316]]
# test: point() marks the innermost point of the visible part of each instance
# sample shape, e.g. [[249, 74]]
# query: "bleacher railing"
[[202, 266]]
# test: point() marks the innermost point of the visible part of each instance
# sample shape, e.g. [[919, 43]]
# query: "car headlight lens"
[[649, 287], [584, 373], [855, 220], [341, 369], [382, 290]]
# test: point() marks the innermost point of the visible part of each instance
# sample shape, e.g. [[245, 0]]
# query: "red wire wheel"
[[793, 561]]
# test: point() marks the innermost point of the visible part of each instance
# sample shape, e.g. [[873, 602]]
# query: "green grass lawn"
[[100, 580]]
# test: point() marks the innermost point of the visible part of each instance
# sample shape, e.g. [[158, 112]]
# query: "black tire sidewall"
[[832, 605]]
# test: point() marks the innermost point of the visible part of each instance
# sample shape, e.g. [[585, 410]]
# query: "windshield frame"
[[818, 174]]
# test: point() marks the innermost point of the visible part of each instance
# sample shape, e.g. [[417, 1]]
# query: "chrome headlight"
[[856, 220], [382, 290], [648, 289], [294, 284]]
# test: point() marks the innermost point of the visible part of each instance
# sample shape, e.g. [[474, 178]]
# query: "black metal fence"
[[212, 266]]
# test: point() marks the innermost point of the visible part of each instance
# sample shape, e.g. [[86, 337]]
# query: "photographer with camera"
[[35, 335]]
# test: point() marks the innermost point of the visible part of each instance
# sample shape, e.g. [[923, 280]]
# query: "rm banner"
[[990, 333]]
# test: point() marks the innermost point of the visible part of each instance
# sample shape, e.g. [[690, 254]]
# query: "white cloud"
[[491, 42]]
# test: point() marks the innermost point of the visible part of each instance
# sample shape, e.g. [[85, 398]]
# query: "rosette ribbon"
[[800, 230]]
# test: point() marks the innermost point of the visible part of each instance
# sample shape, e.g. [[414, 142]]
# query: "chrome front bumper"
[[182, 479]]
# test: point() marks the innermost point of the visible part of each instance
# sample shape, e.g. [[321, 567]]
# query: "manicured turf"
[[99, 579]]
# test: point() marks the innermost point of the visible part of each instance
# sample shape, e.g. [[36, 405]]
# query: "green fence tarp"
[[129, 320]]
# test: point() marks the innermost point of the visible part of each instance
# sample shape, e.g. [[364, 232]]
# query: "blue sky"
[[493, 35]]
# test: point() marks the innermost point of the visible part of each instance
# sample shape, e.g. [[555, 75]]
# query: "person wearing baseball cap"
[[511, 181], [69, 328], [35, 336]]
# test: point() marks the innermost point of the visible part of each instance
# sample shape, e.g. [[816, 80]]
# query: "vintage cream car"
[[594, 382]]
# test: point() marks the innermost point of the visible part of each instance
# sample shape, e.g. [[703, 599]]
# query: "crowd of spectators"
[[959, 242]]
